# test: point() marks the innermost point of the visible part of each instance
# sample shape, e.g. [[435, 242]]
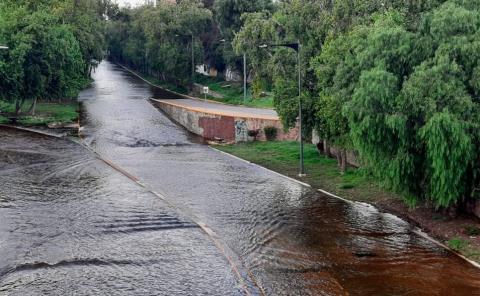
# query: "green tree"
[[413, 113], [45, 59], [229, 19], [163, 50]]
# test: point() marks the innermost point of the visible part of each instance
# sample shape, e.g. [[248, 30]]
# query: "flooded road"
[[71, 225]]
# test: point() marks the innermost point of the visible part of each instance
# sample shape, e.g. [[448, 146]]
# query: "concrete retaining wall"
[[229, 128]]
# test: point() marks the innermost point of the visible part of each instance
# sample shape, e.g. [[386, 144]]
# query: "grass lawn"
[[322, 172], [233, 93], [45, 113]]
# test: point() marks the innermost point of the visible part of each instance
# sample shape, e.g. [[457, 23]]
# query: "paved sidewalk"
[[222, 109]]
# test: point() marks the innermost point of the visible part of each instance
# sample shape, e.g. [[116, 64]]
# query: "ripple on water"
[[71, 225]]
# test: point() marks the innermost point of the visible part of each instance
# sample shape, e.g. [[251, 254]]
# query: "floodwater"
[[72, 225]]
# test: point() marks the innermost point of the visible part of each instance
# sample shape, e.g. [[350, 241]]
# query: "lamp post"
[[296, 46], [193, 57], [244, 75]]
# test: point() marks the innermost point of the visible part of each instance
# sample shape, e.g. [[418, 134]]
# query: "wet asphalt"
[[70, 224]]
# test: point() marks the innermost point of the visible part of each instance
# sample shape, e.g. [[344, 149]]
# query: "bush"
[[257, 87], [457, 244], [270, 133], [253, 134], [472, 230]]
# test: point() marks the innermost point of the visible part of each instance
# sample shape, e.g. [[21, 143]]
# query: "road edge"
[[262, 167], [246, 279], [418, 231]]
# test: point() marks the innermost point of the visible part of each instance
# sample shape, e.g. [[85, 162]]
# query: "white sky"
[[131, 2]]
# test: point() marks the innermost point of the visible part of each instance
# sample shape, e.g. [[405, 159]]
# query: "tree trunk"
[[343, 165], [326, 148], [18, 106], [320, 148], [31, 111], [342, 160], [339, 159]]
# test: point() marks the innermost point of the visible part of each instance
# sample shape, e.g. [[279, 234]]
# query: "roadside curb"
[[244, 276], [418, 231], [262, 167], [32, 130]]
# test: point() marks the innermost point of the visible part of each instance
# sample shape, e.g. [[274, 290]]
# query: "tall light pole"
[[193, 61], [192, 79], [296, 46], [244, 75], [244, 78]]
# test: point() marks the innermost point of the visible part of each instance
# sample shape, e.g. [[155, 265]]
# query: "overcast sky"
[[131, 2]]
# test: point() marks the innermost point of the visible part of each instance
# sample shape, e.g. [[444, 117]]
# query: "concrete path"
[[222, 109]]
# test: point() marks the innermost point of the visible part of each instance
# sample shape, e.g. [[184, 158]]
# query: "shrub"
[[270, 132], [472, 230], [253, 134], [457, 244]]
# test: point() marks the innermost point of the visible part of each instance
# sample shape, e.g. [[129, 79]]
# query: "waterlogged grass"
[[45, 113], [464, 247], [232, 93], [457, 244], [322, 172]]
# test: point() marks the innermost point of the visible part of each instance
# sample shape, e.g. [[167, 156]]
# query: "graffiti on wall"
[[241, 131]]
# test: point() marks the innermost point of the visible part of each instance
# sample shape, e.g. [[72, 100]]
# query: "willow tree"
[[413, 114]]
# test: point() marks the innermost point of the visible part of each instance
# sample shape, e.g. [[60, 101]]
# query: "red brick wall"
[[222, 127]]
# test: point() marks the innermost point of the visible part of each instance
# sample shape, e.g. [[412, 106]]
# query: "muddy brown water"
[[72, 225]]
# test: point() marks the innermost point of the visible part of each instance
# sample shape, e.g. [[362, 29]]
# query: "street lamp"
[[193, 57], [244, 75], [295, 46]]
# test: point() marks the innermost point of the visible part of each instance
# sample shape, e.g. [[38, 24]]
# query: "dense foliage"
[[159, 40], [396, 81], [412, 101], [51, 45]]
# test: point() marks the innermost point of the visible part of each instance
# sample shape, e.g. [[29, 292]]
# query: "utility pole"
[[193, 61], [192, 78], [302, 168], [244, 78], [296, 46]]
